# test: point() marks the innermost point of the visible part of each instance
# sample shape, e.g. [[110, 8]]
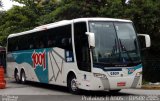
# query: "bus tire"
[[16, 76], [23, 77], [71, 84]]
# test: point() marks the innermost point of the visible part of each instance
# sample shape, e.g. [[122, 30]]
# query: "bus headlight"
[[138, 73], [98, 75]]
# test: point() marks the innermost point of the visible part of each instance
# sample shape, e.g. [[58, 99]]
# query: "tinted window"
[[55, 37], [12, 44], [23, 42], [81, 46], [60, 37]]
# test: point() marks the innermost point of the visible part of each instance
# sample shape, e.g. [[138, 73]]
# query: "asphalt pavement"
[[32, 91]]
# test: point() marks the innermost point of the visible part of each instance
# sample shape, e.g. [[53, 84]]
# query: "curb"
[[151, 87]]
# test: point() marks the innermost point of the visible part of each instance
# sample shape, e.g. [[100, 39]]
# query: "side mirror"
[[91, 39], [144, 40]]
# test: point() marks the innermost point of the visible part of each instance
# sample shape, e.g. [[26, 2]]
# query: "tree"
[[16, 20], [144, 14]]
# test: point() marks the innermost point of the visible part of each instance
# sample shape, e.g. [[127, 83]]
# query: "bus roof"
[[100, 19], [65, 22]]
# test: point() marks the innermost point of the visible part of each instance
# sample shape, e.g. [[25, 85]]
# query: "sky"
[[127, 1], [7, 4]]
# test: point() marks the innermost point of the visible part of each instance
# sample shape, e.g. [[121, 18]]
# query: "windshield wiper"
[[124, 48]]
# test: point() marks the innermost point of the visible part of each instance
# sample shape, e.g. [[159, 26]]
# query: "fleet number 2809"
[[114, 73]]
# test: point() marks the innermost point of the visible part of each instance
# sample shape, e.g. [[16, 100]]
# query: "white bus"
[[86, 53]]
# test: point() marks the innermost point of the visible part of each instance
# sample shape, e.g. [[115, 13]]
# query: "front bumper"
[[112, 83]]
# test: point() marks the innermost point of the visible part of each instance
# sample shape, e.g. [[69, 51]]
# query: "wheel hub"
[[74, 85], [23, 78]]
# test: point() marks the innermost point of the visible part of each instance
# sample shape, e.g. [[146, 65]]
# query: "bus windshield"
[[115, 43]]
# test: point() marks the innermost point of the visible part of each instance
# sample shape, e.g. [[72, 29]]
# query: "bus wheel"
[[16, 76], [72, 85], [115, 91], [23, 76]]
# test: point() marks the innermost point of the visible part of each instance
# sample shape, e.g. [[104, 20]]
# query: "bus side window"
[[65, 42], [41, 44], [36, 45], [30, 42], [31, 46], [50, 38], [60, 37], [12, 44], [49, 43], [43, 39], [16, 43], [23, 42], [17, 48]]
